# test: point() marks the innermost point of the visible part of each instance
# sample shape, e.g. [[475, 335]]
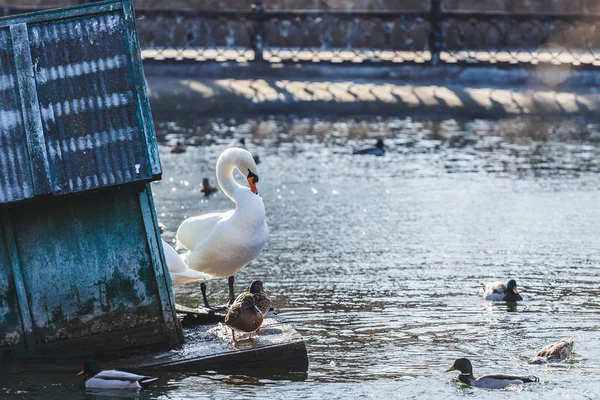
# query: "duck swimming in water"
[[206, 188], [498, 291], [377, 150], [177, 149], [112, 379], [492, 381], [558, 351]]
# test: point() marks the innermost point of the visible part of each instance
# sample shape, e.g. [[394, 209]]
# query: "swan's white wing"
[[178, 269], [195, 229]]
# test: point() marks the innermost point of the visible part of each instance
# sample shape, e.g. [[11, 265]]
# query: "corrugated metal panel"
[[91, 97], [15, 176]]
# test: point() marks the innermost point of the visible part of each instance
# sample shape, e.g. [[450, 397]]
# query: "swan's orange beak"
[[252, 179]]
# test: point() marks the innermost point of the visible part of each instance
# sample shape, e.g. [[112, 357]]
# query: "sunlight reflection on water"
[[378, 260]]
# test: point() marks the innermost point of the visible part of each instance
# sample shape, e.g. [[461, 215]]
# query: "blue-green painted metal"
[[82, 101], [79, 273]]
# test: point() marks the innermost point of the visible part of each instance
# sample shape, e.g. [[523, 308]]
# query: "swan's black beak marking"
[[252, 179]]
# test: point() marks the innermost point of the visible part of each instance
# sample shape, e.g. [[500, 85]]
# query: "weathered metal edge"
[[289, 357], [159, 265], [61, 13], [153, 335], [17, 275], [30, 109], [137, 70]]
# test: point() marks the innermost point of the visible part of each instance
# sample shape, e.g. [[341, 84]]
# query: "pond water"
[[377, 261]]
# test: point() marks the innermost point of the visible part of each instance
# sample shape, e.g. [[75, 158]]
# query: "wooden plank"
[[137, 72], [161, 271], [278, 347], [61, 13], [15, 265], [36, 144]]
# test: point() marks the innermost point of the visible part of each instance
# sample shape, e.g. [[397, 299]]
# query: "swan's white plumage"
[[494, 291], [195, 229], [178, 269], [221, 244], [113, 379]]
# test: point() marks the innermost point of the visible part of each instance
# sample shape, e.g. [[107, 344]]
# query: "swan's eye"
[[252, 175]]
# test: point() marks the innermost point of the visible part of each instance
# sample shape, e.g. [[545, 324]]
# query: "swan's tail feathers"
[[530, 379], [196, 275], [147, 380]]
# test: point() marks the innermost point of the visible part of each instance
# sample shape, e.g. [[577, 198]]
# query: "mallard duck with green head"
[[243, 315], [558, 351], [96, 378], [499, 291], [491, 381]]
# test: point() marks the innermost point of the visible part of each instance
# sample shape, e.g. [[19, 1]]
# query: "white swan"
[[221, 244], [178, 269]]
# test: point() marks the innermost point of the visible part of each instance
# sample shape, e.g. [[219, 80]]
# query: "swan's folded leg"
[[204, 298], [231, 294]]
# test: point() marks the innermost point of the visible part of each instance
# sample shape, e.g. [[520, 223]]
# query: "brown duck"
[[206, 188], [243, 315], [558, 351], [261, 299]]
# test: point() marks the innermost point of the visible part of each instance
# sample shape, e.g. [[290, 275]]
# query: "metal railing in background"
[[437, 33]]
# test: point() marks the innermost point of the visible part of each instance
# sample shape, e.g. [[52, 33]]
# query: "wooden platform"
[[208, 346]]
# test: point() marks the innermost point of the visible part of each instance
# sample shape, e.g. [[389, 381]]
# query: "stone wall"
[[513, 6]]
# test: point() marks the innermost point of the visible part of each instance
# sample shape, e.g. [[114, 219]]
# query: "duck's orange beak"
[[450, 369], [252, 179]]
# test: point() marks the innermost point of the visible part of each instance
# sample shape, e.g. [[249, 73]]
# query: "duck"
[[498, 291], [206, 188], [243, 315], [241, 143], [221, 244], [261, 299], [558, 351], [377, 150], [178, 270], [492, 381], [112, 379], [177, 149]]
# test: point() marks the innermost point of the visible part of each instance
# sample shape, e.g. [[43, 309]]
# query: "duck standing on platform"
[[558, 351], [243, 315], [112, 379], [206, 188], [499, 291], [492, 381], [261, 299], [377, 150], [221, 244]]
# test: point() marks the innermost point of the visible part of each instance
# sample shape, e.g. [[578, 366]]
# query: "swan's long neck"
[[229, 186]]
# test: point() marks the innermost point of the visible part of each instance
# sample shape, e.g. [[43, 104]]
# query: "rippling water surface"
[[377, 261]]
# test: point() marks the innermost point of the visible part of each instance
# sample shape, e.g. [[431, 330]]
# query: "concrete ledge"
[[479, 93]]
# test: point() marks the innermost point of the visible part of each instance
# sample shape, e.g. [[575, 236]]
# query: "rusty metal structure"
[[81, 266]]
